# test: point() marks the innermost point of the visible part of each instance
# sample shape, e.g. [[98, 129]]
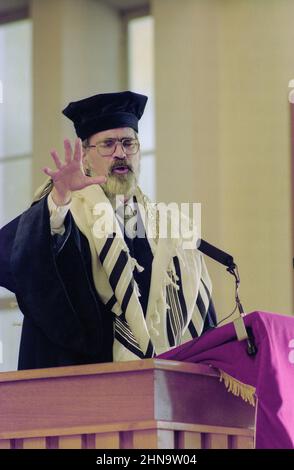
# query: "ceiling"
[[126, 4], [10, 4], [118, 4]]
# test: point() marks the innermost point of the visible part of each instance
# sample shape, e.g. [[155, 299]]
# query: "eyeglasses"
[[107, 147]]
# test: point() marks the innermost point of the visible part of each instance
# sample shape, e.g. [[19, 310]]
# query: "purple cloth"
[[271, 371]]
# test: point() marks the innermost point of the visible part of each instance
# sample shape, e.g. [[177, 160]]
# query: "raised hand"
[[69, 175]]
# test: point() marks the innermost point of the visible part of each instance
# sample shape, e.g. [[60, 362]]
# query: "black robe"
[[65, 322]]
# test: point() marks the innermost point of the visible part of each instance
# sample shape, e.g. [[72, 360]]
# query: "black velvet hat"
[[106, 111]]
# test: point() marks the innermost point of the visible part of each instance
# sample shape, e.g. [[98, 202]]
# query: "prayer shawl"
[[267, 378], [180, 289]]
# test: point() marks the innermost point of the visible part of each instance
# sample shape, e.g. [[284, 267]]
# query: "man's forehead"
[[116, 133]]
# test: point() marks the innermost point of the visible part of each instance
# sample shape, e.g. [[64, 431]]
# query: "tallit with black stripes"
[[180, 289]]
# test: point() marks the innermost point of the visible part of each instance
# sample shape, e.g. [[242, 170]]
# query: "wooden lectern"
[[147, 404]]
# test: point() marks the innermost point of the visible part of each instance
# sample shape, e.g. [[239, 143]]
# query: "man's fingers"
[[96, 180], [78, 152], [48, 171], [56, 159], [67, 150]]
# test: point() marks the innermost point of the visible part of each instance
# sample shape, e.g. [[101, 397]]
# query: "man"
[[90, 293]]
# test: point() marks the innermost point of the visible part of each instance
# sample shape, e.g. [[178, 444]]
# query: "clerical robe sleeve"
[[60, 224], [51, 290], [7, 235], [57, 216]]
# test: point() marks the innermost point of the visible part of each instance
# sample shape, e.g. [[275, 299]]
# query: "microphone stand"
[[241, 330], [220, 256]]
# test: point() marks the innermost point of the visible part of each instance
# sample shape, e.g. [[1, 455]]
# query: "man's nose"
[[119, 151]]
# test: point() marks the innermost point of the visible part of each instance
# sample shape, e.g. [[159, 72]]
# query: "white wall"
[[78, 51], [222, 71]]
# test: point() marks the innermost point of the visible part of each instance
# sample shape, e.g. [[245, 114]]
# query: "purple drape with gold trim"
[[271, 371]]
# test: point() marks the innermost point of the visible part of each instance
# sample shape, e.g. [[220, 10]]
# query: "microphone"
[[216, 254], [227, 260]]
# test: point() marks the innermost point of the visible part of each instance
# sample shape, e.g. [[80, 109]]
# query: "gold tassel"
[[245, 391]]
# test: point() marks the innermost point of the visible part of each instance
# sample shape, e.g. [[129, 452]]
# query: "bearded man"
[[90, 289]]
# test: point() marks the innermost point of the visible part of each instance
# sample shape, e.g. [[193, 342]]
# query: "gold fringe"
[[245, 391]]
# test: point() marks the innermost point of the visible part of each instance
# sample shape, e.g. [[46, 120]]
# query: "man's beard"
[[124, 184]]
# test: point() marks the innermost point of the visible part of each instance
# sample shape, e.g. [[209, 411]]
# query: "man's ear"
[[85, 157], [86, 164], [84, 150]]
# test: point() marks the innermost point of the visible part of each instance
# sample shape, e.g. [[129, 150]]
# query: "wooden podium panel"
[[145, 404]]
